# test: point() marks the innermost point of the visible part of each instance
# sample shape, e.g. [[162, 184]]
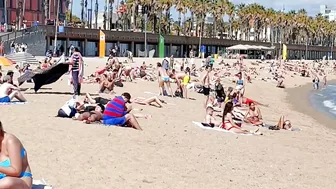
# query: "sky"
[[311, 6]]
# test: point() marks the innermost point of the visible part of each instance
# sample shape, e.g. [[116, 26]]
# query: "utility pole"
[[5, 15], [200, 33], [96, 15], [56, 23], [145, 15]]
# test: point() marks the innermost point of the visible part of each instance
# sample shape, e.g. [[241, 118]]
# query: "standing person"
[[76, 69], [165, 64], [14, 169], [206, 84], [12, 47], [2, 49], [163, 79], [171, 63]]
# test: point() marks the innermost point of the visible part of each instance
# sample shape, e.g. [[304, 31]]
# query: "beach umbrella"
[[5, 61]]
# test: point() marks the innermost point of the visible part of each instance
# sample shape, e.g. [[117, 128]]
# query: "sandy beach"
[[171, 152]]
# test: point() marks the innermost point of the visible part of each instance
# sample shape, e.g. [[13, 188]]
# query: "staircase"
[[22, 58]]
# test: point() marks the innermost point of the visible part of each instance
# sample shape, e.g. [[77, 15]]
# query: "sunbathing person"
[[229, 124], [107, 83], [8, 91], [210, 120], [149, 101], [14, 168], [253, 115], [91, 116], [96, 100], [282, 124], [116, 113]]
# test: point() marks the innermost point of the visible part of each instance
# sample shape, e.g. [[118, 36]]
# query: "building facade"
[[34, 11], [328, 13]]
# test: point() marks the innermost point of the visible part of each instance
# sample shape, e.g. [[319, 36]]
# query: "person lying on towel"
[[8, 91]]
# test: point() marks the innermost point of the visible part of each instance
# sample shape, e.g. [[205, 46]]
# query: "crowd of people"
[[175, 79]]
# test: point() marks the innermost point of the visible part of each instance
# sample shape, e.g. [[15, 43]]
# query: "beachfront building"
[[35, 11], [328, 13]]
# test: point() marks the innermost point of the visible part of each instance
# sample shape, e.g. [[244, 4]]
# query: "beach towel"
[[44, 77], [199, 124], [10, 103], [41, 184]]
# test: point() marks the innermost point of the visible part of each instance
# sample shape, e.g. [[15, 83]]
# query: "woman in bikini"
[[253, 115], [282, 124], [149, 101], [14, 167], [228, 123], [185, 82]]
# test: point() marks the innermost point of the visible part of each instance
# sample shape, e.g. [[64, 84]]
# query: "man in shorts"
[[116, 113], [8, 91], [206, 84]]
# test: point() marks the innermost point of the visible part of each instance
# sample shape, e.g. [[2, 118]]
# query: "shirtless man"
[[92, 116], [178, 77], [163, 79], [106, 83], [8, 91], [206, 84]]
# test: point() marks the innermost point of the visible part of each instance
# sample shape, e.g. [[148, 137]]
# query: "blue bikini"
[[7, 163]]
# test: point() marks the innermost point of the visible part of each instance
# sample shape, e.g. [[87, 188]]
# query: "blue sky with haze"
[[311, 6]]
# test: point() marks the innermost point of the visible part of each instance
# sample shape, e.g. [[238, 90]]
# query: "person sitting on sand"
[[14, 168], [210, 120], [253, 115], [116, 113], [91, 116], [282, 124], [220, 93], [163, 79], [8, 91], [143, 101], [229, 124], [106, 83], [280, 83]]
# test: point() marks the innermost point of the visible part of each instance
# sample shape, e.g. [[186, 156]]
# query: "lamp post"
[[306, 50], [5, 10], [145, 15], [332, 48], [56, 23]]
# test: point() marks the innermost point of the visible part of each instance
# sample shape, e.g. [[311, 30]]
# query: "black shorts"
[[206, 91], [100, 100]]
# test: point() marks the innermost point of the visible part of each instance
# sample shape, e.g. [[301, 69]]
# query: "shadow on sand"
[[57, 93]]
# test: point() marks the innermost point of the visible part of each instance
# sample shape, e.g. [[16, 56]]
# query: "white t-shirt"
[[4, 89], [70, 104]]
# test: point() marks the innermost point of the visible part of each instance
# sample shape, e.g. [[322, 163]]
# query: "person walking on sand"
[[163, 79], [76, 70], [206, 84]]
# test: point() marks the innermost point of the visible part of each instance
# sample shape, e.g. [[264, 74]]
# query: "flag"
[[101, 44], [284, 52]]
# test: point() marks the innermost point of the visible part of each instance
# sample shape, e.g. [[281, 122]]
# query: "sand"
[[171, 152]]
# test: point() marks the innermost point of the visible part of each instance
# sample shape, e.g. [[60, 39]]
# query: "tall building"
[[328, 13], [34, 11]]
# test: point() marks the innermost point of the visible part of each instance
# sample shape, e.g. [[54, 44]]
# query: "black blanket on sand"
[[44, 77]]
